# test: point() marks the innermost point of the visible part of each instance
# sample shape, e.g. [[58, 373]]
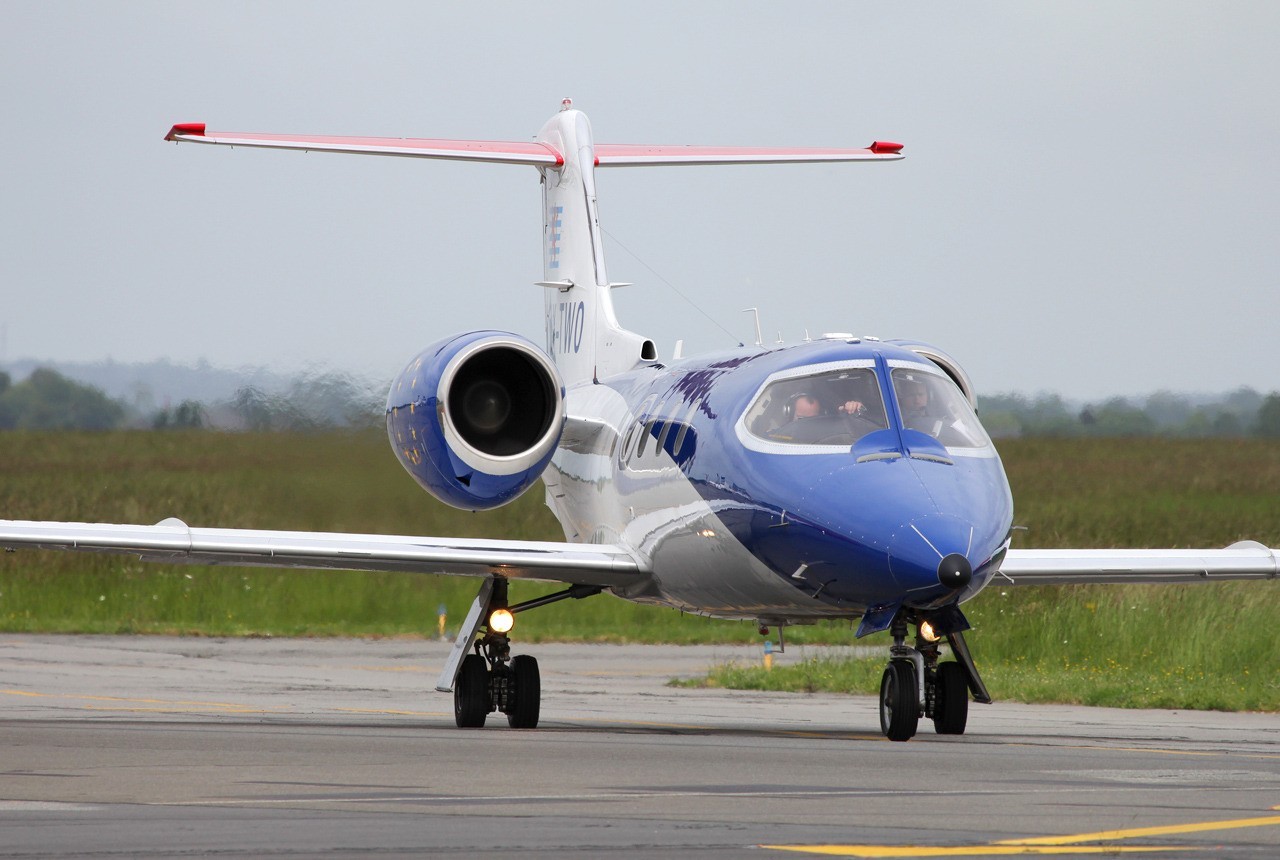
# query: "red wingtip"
[[188, 128], [884, 147]]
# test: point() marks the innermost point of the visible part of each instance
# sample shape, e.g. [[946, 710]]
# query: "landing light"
[[501, 620], [927, 633]]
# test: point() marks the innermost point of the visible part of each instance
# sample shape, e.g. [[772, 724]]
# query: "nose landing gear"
[[915, 684]]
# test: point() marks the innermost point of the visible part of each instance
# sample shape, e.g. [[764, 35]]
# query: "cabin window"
[[644, 437], [684, 430], [662, 439]]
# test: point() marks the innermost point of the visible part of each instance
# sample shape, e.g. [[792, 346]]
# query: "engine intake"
[[475, 418]]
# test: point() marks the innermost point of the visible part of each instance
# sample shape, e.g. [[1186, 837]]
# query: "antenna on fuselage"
[[759, 336]]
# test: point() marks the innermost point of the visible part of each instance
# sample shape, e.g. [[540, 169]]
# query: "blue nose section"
[[931, 553]]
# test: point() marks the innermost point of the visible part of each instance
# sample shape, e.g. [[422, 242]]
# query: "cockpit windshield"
[[837, 406], [931, 403]]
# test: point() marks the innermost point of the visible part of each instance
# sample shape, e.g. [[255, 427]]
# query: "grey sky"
[[1088, 204]]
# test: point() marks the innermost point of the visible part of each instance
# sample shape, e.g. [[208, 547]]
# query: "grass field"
[[1186, 646]]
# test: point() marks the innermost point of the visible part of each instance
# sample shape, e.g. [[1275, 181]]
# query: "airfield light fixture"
[[501, 620], [927, 633]]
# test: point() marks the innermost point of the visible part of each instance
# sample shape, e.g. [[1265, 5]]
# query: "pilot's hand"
[[851, 407]]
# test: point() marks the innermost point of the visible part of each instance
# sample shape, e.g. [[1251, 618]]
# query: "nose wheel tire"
[[471, 693], [951, 705], [899, 701], [527, 693]]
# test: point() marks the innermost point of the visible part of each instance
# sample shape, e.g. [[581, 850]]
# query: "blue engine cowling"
[[476, 417]]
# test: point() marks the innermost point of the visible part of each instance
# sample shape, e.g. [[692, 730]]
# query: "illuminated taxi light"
[[707, 533], [501, 620], [928, 633]]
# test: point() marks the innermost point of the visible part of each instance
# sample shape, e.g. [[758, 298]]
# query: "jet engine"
[[476, 417]]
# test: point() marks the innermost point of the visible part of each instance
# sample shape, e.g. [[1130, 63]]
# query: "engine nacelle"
[[476, 417]]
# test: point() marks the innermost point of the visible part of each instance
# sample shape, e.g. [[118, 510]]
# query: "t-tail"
[[583, 335]]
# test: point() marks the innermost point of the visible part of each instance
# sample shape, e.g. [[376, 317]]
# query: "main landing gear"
[[489, 679], [915, 684]]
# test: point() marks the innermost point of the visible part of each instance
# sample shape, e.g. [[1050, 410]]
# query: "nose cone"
[[954, 571], [932, 551]]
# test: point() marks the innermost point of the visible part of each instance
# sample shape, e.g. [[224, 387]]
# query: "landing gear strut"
[[489, 679], [916, 685]]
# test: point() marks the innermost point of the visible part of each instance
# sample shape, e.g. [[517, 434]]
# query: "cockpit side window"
[[834, 407], [931, 403]]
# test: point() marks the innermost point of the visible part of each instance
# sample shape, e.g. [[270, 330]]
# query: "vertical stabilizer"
[[583, 334]]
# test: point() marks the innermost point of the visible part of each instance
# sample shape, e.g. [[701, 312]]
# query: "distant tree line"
[[47, 400], [1243, 412]]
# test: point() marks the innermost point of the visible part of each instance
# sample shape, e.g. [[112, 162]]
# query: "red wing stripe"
[[517, 152], [634, 154]]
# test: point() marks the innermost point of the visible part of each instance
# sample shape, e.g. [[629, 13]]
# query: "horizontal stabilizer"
[[539, 154], [636, 155], [499, 151]]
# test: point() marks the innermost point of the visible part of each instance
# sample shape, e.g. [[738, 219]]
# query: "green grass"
[[1175, 646], [331, 482]]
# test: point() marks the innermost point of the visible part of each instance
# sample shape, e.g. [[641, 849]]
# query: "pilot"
[[803, 412], [913, 399], [805, 405]]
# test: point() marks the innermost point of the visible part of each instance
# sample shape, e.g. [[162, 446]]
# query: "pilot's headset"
[[789, 410]]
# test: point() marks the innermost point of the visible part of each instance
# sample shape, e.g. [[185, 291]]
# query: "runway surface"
[[155, 747]]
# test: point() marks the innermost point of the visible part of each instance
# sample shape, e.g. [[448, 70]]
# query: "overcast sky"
[[1088, 204]]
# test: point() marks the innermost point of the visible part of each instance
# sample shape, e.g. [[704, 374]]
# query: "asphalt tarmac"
[[157, 747]]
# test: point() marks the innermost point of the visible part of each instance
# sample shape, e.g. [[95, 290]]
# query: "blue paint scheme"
[[851, 535], [418, 439]]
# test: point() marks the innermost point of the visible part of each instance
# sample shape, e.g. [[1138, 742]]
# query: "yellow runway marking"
[[1168, 830], [1152, 750], [1043, 845], [965, 851], [163, 704], [392, 713]]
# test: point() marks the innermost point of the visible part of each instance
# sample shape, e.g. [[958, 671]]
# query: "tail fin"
[[583, 334]]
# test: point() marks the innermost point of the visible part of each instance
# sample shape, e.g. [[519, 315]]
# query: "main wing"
[[1243, 560], [174, 541]]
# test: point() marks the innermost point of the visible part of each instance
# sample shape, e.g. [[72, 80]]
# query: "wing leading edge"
[[1243, 560], [175, 542]]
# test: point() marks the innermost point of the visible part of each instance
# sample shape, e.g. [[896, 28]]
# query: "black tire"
[[471, 693], [527, 694], [899, 701], [951, 700]]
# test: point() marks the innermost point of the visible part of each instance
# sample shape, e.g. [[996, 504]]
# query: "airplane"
[[840, 478]]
